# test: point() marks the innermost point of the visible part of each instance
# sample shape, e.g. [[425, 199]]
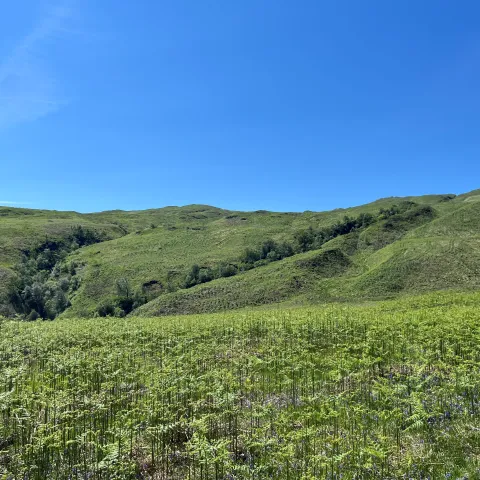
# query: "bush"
[[64, 284], [250, 256], [268, 246], [205, 275], [272, 256], [74, 283], [192, 277], [34, 297], [84, 236], [139, 299], [304, 240], [32, 316], [119, 313], [226, 270], [198, 275], [61, 302], [106, 309], [126, 304], [123, 288], [284, 250]]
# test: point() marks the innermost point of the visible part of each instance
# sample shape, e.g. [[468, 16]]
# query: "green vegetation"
[[380, 392], [124, 302], [201, 248], [368, 263], [43, 282], [272, 251], [351, 388], [203, 259]]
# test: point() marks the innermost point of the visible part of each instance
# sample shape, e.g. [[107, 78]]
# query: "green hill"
[[137, 262]]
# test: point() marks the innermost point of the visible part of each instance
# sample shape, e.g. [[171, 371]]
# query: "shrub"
[[106, 309], [226, 270], [250, 256], [84, 236], [304, 239], [284, 250], [64, 284], [118, 312], [267, 247], [272, 256], [126, 304], [123, 288], [205, 275], [192, 277], [32, 316]]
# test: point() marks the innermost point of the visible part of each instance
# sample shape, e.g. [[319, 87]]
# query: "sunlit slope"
[[165, 253], [435, 249], [411, 266], [432, 253], [463, 221], [199, 235], [277, 282], [23, 229]]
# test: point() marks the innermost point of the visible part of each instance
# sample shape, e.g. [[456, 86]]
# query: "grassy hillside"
[[431, 246], [164, 254], [196, 235], [387, 259], [23, 230]]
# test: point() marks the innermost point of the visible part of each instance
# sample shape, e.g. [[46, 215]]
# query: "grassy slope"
[[203, 235], [420, 259], [23, 229], [433, 254]]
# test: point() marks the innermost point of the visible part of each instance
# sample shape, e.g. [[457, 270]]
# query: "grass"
[[188, 238], [385, 391], [410, 256], [183, 237], [22, 229], [378, 263]]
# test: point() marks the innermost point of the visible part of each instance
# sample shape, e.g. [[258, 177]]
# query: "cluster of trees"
[[44, 281], [313, 239], [303, 241], [126, 300], [402, 207], [41, 291], [268, 251], [271, 251], [197, 274], [82, 237], [404, 215]]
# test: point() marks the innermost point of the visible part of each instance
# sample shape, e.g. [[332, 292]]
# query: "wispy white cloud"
[[28, 88], [6, 202]]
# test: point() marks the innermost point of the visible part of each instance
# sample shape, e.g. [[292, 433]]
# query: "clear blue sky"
[[252, 104]]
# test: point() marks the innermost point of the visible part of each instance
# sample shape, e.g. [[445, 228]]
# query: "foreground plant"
[[336, 392]]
